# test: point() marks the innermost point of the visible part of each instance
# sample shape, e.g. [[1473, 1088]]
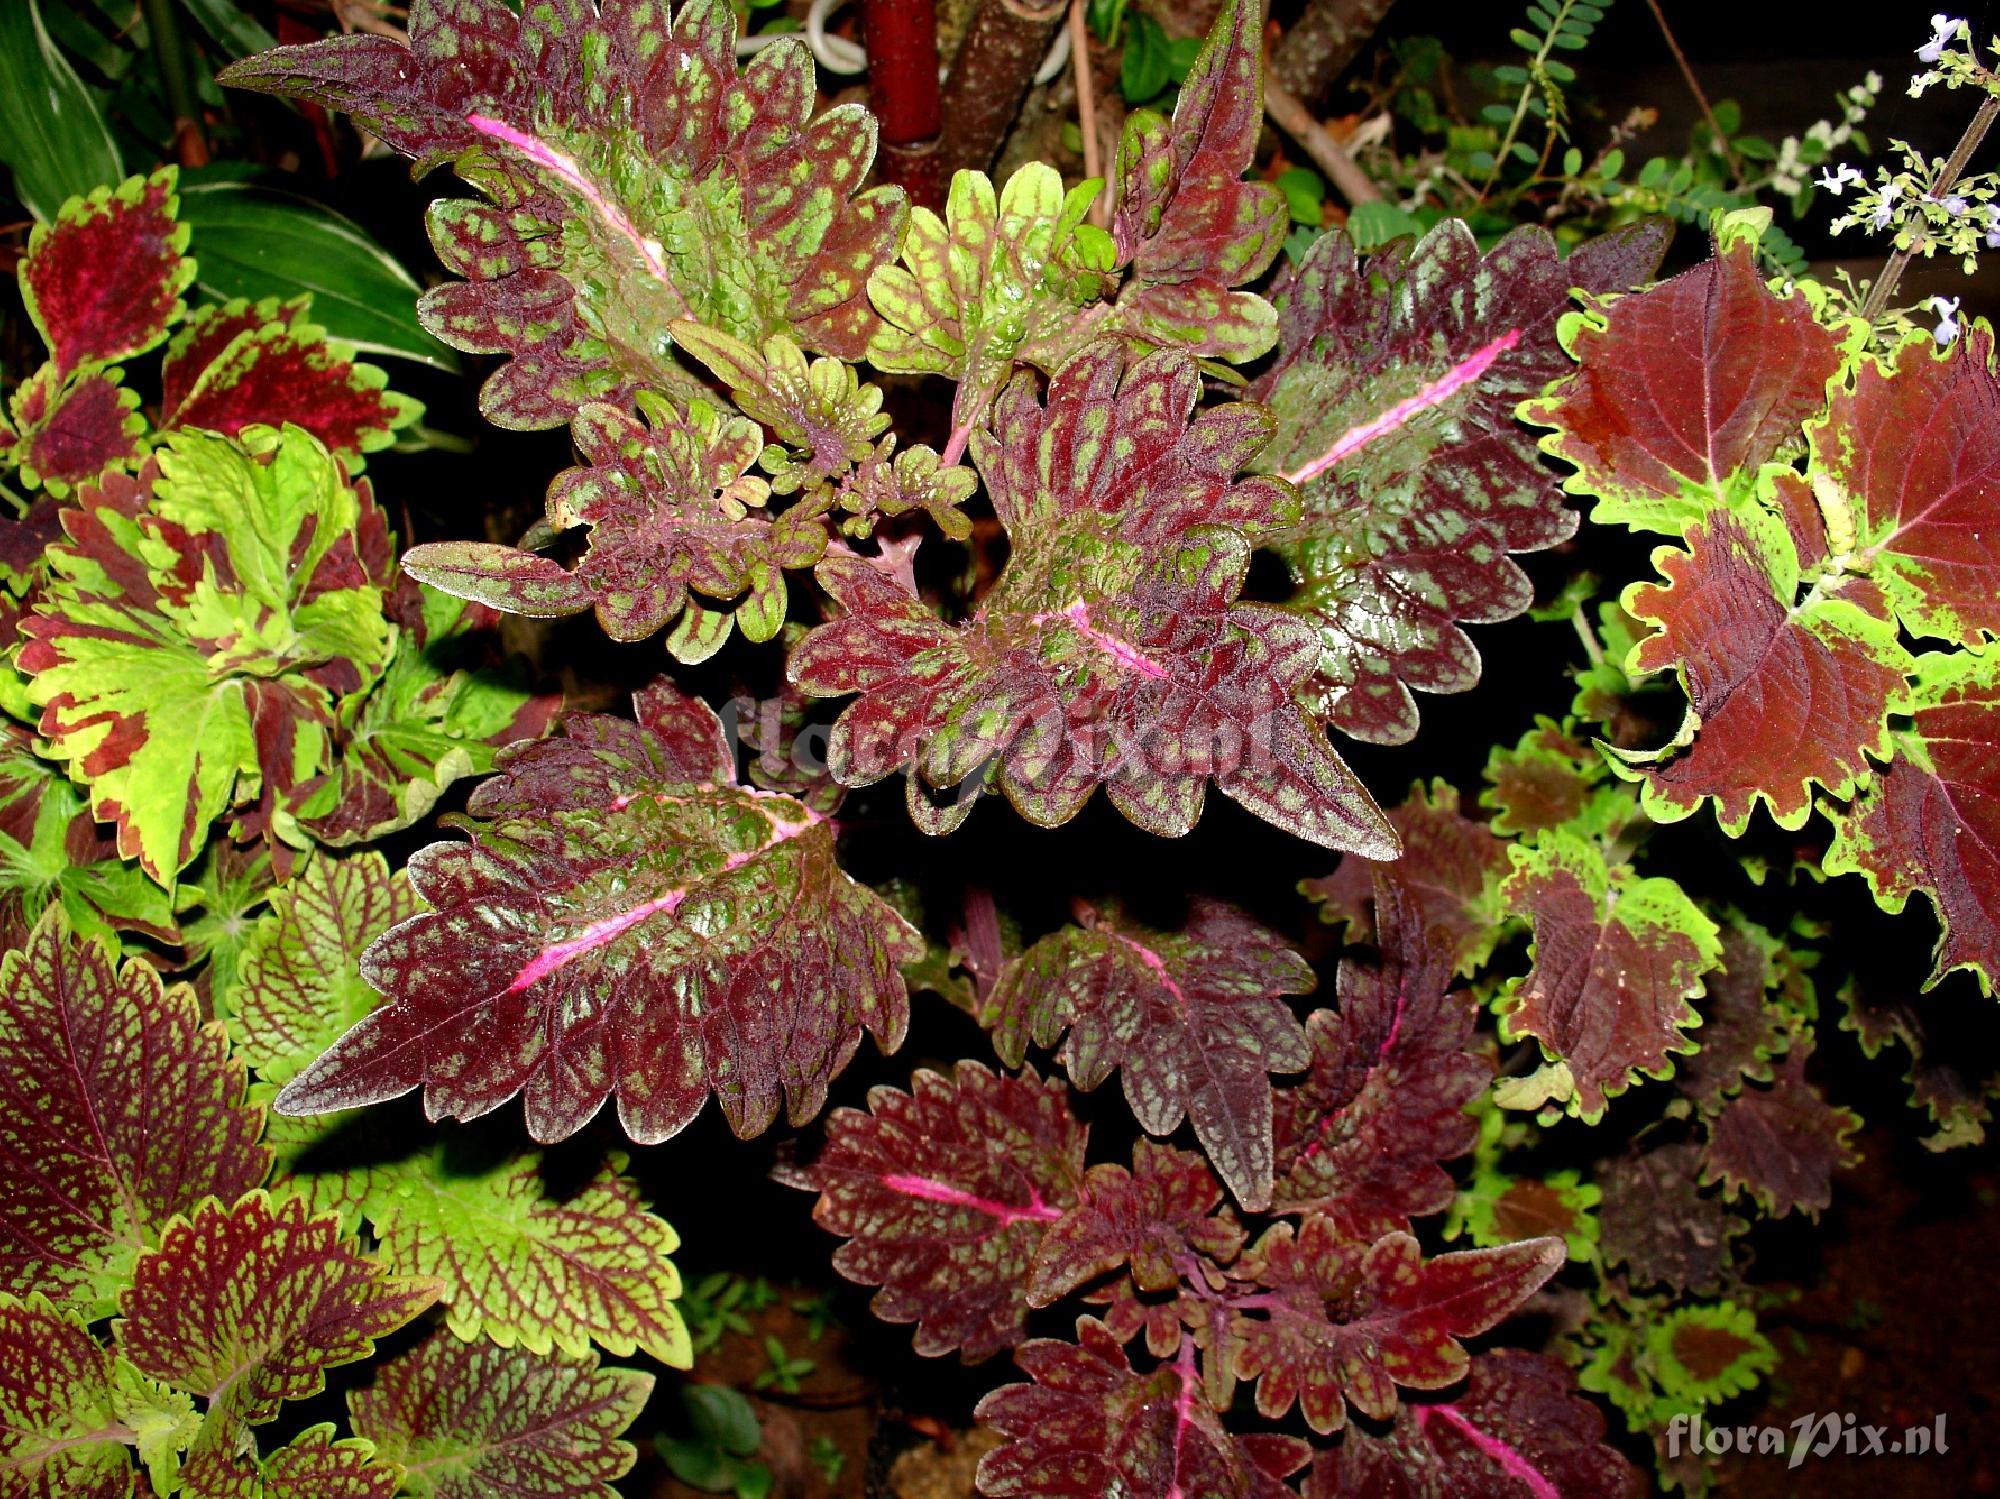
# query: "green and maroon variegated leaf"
[[673, 513], [1519, 1431], [624, 919], [250, 1305], [1343, 1322], [444, 708], [1495, 1208], [1194, 1020], [1930, 823], [1911, 464], [993, 281], [1744, 1024], [1656, 1221], [53, 850], [1112, 650], [1783, 694], [1153, 1219], [60, 1437], [75, 431], [944, 1194], [1549, 778], [104, 281], [118, 1109], [1944, 1081], [1091, 1425], [197, 635], [472, 1421], [1395, 388], [633, 179], [1781, 1142], [1616, 960], [311, 1466], [521, 1260], [297, 985], [1686, 389], [1188, 228], [1393, 1068], [239, 364], [1451, 866]]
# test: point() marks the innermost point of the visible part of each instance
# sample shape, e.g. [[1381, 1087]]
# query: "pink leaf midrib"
[[1006, 1213], [1509, 1460]]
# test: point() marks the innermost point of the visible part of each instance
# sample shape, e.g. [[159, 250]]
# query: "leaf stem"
[[1975, 132], [1086, 109], [1694, 87], [171, 58], [1289, 114]]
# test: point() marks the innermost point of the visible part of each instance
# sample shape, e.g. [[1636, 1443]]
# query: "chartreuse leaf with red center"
[[60, 1433], [945, 1194], [73, 432], [248, 1306], [1790, 678], [1616, 960], [632, 179], [1518, 1430], [520, 1261], [1340, 1322], [1781, 1142], [1393, 1068], [118, 1110], [444, 708], [994, 281], [469, 1421], [624, 919], [238, 364], [1704, 1354], [1091, 1425], [1496, 1208], [1686, 390], [1195, 1020], [193, 644], [1188, 229], [312, 1466], [297, 984], [1394, 388], [674, 518], [1112, 651], [1930, 822]]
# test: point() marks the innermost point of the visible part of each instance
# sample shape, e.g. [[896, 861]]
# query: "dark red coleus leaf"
[[1743, 1024], [75, 431], [241, 363], [1785, 694], [632, 178], [1655, 1219], [1338, 1321], [624, 919], [1392, 1071], [1395, 387], [1195, 1020], [1616, 960], [1685, 390], [104, 281], [1091, 1425], [944, 1194], [1781, 1142], [1519, 1431], [1930, 823], [1112, 649], [118, 1109], [1451, 867], [1160, 1219]]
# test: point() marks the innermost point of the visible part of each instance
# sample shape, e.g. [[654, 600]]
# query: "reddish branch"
[[901, 38], [996, 63]]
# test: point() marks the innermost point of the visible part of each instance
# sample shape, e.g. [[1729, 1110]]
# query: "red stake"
[[901, 38]]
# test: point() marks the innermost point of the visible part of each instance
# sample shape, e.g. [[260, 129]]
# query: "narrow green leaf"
[[51, 132], [236, 33]]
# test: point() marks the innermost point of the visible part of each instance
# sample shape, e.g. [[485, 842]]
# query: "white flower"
[[1885, 209], [1946, 309], [1943, 29], [1993, 226], [1836, 182], [1952, 204]]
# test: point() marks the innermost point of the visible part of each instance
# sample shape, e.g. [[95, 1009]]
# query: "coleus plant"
[[221, 672]]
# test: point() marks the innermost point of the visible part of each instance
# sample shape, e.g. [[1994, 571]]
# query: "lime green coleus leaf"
[[1495, 1208], [118, 1110], [1616, 960], [1703, 1354], [59, 1427], [472, 1421], [297, 985], [518, 1263], [198, 632], [250, 1305], [996, 279]]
